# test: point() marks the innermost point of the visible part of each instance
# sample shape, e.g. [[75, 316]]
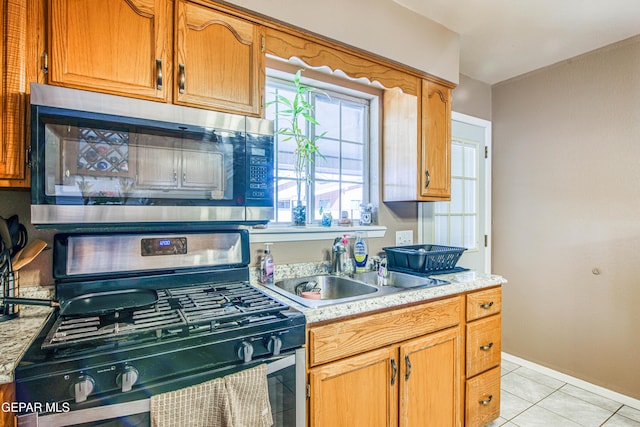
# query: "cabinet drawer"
[[483, 399], [484, 344], [484, 303], [341, 339]]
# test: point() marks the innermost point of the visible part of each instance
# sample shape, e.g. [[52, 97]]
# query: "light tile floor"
[[531, 399]]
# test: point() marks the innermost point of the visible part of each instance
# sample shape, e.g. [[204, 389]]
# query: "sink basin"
[[332, 289], [401, 280]]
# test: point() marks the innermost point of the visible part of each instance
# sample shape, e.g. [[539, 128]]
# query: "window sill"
[[310, 232]]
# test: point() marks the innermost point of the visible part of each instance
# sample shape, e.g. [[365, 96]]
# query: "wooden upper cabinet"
[[435, 146], [114, 46], [22, 43], [219, 60], [417, 144]]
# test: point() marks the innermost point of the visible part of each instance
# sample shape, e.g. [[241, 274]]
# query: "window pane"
[[352, 162], [441, 207], [442, 230], [470, 161], [327, 196], [470, 232], [328, 115], [352, 196], [456, 196], [455, 238], [353, 122], [456, 159], [470, 196]]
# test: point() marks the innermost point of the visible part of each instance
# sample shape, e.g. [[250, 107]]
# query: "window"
[[340, 176], [456, 222]]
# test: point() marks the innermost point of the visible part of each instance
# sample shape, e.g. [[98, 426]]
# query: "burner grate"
[[182, 310]]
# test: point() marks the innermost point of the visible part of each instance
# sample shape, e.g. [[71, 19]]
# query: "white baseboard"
[[605, 392]]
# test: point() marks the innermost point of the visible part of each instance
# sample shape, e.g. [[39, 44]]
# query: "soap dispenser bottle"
[[267, 266], [360, 253]]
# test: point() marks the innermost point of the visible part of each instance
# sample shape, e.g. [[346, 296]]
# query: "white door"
[[465, 220]]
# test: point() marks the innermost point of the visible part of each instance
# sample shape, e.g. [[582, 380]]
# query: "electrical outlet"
[[404, 237]]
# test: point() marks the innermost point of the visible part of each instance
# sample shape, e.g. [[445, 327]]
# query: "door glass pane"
[[470, 232], [470, 169], [470, 196], [456, 231], [456, 196], [456, 160], [442, 230]]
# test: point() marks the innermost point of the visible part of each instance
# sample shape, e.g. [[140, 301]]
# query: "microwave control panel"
[[260, 172]]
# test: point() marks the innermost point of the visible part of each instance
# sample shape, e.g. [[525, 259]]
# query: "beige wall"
[[378, 26], [473, 98], [566, 201]]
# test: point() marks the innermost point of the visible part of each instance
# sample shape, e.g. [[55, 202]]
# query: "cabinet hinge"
[[45, 62], [486, 240], [308, 393], [262, 44], [28, 158], [486, 152]]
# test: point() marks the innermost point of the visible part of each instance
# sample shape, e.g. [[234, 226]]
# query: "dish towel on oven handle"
[[237, 400]]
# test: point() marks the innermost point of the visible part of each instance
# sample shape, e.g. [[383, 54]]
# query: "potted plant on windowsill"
[[297, 115]]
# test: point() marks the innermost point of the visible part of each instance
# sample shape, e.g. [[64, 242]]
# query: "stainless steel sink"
[[401, 280], [332, 289]]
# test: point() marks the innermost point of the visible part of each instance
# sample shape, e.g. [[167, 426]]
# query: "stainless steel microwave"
[[102, 160]]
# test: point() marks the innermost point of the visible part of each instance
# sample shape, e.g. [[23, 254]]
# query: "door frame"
[[464, 118]]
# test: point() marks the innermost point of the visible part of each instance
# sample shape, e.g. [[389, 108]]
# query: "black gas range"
[[206, 322]]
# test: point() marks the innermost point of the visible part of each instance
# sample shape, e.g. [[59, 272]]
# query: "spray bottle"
[[360, 253], [267, 266]]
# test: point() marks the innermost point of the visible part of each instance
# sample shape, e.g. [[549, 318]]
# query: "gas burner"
[[178, 312]]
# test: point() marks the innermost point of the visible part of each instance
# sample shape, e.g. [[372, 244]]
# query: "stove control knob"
[[82, 388], [127, 378], [274, 345], [245, 351]]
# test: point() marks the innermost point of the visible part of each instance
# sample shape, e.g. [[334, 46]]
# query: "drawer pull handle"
[[181, 78], [408, 361], [486, 305], [486, 347], [394, 373], [486, 401], [158, 74]]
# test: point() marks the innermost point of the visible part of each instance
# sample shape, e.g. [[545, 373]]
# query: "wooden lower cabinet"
[[483, 398], [430, 380], [7, 394], [355, 392], [403, 367], [415, 383]]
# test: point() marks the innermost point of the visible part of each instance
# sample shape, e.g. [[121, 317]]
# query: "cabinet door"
[[435, 147], [203, 169], [157, 168], [359, 391], [13, 29], [483, 399], [430, 380], [219, 60], [7, 394], [113, 46]]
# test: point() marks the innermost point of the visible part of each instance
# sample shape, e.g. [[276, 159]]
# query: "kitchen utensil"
[[17, 234], [28, 254], [4, 233], [96, 303]]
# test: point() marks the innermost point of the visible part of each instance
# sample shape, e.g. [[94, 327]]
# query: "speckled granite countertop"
[[17, 334], [460, 283]]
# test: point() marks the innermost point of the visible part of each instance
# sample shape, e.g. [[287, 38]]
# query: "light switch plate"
[[404, 237]]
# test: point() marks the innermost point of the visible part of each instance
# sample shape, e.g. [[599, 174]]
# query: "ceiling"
[[501, 39]]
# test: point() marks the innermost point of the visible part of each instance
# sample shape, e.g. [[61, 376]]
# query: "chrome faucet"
[[340, 257]]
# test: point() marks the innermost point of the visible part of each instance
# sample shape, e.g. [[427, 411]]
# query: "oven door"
[[286, 380]]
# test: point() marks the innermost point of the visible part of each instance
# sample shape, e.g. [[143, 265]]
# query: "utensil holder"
[[10, 284]]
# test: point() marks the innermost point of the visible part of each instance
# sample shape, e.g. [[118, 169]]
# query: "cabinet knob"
[[485, 402], [486, 347], [486, 305]]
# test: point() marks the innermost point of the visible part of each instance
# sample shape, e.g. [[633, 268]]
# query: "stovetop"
[[179, 312]]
